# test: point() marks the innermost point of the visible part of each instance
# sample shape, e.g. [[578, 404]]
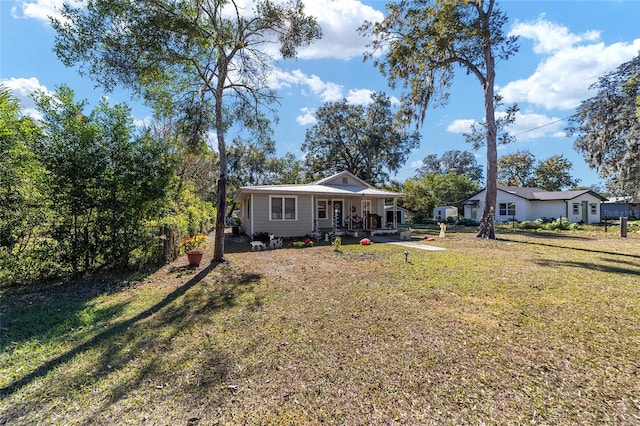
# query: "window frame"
[[283, 207], [319, 210], [575, 209], [507, 208], [593, 209]]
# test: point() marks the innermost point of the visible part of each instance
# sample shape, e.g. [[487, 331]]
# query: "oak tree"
[[454, 161], [554, 174], [363, 140], [517, 169], [521, 169]]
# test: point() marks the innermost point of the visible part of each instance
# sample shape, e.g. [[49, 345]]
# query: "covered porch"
[[356, 216]]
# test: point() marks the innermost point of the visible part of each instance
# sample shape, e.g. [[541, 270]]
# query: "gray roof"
[[537, 194], [320, 188], [528, 193]]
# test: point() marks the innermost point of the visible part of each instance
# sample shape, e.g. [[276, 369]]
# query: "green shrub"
[[529, 225], [560, 224], [467, 222], [336, 244]]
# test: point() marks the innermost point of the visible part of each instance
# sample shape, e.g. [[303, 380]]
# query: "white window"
[[322, 209], [283, 208], [576, 208], [507, 209], [594, 209]]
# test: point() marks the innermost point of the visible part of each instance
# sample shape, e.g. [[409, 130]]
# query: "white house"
[[396, 213], [520, 204], [443, 212], [339, 202]]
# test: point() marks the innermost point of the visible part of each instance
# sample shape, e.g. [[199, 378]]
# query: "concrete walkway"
[[421, 246]]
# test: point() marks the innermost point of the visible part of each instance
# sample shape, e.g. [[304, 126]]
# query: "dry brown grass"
[[532, 329]]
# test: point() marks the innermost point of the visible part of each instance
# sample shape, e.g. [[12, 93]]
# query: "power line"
[[544, 125]]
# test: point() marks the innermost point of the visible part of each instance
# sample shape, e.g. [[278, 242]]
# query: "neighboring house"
[[443, 212], [618, 207], [533, 203], [339, 202], [400, 215]]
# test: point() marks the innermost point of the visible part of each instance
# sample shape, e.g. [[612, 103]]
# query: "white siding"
[[549, 209], [522, 209], [443, 212], [589, 199], [531, 210]]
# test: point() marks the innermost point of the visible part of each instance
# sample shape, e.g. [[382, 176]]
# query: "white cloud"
[[461, 126], [567, 69], [417, 164], [549, 37], [327, 91], [42, 9], [359, 96], [529, 126], [146, 121], [307, 117], [340, 20], [21, 89]]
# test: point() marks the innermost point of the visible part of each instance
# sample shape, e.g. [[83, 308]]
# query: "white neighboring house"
[[443, 212], [534, 203], [400, 215]]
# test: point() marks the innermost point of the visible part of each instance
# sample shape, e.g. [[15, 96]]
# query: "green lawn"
[[537, 328]]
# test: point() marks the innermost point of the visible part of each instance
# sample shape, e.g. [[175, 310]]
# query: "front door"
[[337, 214], [585, 211]]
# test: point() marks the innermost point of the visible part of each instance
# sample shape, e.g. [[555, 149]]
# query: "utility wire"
[[543, 125], [517, 134]]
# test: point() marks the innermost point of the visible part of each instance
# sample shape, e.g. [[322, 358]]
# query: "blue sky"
[[564, 47]]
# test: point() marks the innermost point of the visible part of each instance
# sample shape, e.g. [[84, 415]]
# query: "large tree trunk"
[[221, 205], [487, 223]]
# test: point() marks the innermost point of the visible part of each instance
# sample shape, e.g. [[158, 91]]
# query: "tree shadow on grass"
[[588, 250], [547, 235], [41, 311], [589, 266], [122, 342]]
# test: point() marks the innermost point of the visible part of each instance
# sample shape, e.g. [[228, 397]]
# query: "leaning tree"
[[423, 41], [208, 58]]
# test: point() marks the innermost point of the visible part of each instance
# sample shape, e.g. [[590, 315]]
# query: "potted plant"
[[194, 246]]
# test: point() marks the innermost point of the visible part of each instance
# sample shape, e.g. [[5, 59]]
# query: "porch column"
[[350, 216], [395, 213], [252, 216], [313, 213]]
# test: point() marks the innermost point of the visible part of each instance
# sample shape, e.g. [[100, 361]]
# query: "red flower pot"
[[194, 258]]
